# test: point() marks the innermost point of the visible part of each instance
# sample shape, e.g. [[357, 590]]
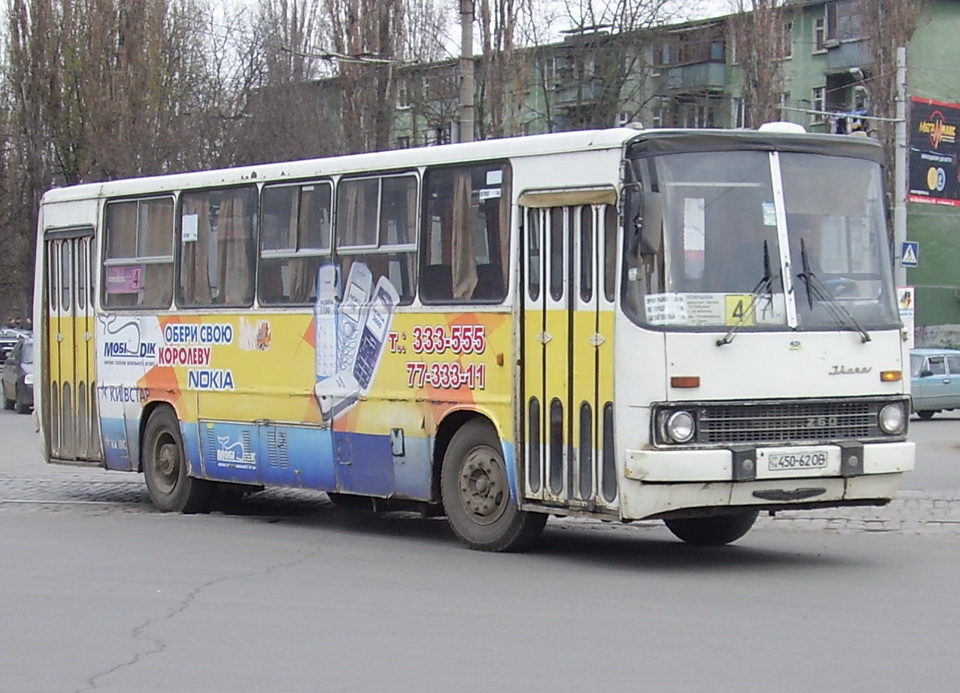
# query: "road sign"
[[910, 253]]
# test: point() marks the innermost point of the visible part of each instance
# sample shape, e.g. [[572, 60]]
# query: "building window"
[[788, 40], [439, 134], [738, 113], [661, 116], [403, 142], [825, 28], [819, 34], [403, 95], [818, 101], [700, 114], [784, 104], [550, 73]]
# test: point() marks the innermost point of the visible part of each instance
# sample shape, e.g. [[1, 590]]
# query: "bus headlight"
[[28, 379], [680, 427], [892, 419]]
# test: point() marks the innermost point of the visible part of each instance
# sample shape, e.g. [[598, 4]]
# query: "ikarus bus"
[[690, 325]]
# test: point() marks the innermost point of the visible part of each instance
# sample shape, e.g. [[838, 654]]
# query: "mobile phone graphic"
[[350, 315], [325, 320], [336, 394], [374, 333]]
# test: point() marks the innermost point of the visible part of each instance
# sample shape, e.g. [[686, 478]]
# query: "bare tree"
[[759, 32], [365, 37], [110, 83], [95, 89], [426, 31], [282, 114], [503, 78]]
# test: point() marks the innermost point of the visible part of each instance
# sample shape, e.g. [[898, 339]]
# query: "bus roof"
[[640, 142], [583, 140]]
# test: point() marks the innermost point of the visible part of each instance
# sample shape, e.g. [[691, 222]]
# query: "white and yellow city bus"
[[688, 325]]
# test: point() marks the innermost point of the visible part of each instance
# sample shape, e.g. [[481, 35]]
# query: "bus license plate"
[[799, 461], [795, 461]]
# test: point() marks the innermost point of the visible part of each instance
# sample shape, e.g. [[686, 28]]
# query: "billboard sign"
[[934, 169]]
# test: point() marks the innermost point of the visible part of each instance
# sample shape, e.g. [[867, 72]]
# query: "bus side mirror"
[[643, 212], [651, 224]]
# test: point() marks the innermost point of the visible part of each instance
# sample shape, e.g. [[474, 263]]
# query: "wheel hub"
[[167, 465], [483, 486]]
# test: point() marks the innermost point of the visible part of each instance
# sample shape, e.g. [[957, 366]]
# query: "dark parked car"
[[18, 377]]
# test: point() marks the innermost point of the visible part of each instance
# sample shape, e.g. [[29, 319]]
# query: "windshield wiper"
[[817, 288], [763, 288]]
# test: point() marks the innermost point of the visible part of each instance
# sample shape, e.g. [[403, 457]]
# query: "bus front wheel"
[[476, 497], [165, 468], [712, 531]]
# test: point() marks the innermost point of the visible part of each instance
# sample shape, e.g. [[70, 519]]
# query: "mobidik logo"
[[122, 349]]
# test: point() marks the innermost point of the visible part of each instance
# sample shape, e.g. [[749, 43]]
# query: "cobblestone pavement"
[[65, 488]]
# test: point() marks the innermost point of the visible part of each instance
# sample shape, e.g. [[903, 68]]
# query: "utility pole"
[[900, 169], [466, 71]]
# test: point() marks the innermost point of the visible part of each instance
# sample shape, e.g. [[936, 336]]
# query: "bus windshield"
[[733, 252]]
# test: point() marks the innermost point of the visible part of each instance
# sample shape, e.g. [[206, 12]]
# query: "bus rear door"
[[69, 398]]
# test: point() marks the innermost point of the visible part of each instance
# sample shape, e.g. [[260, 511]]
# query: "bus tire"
[[165, 470], [712, 531], [475, 491], [926, 414]]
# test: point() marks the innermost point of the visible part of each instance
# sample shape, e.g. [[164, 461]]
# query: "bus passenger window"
[[295, 242], [138, 254], [217, 252], [465, 231], [376, 225]]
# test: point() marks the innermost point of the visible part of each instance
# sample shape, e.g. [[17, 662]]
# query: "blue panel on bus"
[[299, 456], [230, 451], [412, 470], [191, 448], [510, 462], [364, 464], [116, 451]]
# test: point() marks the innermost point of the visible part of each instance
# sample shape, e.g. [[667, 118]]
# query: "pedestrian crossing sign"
[[910, 253]]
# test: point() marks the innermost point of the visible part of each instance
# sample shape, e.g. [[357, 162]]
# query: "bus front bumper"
[[662, 482]]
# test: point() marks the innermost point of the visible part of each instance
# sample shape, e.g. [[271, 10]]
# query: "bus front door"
[[569, 269], [69, 387]]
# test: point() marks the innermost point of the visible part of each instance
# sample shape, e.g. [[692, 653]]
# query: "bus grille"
[[728, 423]]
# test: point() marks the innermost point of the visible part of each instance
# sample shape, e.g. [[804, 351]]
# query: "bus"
[[688, 325]]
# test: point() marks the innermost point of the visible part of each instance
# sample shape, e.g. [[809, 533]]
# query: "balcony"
[[847, 54], [571, 93], [695, 77]]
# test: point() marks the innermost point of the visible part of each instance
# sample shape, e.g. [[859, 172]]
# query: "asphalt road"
[[98, 592]]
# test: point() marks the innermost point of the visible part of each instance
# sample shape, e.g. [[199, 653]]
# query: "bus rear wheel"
[[165, 470], [475, 491], [712, 531]]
